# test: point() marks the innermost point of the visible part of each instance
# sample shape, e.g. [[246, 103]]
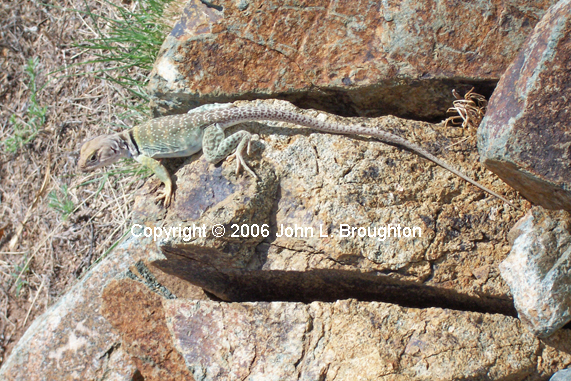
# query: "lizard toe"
[[166, 196]]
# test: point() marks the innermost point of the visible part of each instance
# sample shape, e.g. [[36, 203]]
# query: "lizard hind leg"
[[217, 148]]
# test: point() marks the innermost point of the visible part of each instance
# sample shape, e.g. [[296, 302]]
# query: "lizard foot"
[[244, 145], [241, 163], [166, 195]]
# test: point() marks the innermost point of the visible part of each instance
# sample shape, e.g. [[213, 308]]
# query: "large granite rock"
[[344, 340], [321, 183], [72, 340], [348, 339], [538, 270], [318, 181], [349, 58], [526, 135]]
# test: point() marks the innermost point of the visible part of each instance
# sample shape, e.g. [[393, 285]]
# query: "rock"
[[347, 339], [525, 137], [71, 340], [538, 270], [322, 182], [366, 58], [138, 315], [562, 375], [279, 340]]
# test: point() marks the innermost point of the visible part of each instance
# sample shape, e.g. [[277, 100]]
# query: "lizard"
[[203, 128]]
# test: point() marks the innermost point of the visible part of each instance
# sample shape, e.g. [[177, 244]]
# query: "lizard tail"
[[235, 115]]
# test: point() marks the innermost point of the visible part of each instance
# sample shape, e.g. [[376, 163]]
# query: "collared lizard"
[[203, 128]]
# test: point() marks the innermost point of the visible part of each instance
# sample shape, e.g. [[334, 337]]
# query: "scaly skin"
[[203, 128]]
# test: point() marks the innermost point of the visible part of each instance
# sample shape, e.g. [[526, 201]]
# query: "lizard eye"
[[93, 157]]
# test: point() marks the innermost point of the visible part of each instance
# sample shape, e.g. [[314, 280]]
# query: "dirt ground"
[[44, 250]]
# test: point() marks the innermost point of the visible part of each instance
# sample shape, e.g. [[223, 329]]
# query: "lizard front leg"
[[163, 175], [216, 148]]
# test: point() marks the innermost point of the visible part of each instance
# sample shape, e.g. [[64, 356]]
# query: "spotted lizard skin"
[[186, 134]]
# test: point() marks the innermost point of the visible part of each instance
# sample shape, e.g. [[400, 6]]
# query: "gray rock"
[[350, 340], [71, 340], [538, 270], [525, 137], [562, 375]]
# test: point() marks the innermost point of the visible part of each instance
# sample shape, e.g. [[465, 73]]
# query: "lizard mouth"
[[86, 169], [86, 166], [89, 163]]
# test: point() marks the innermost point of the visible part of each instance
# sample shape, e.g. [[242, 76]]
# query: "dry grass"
[[43, 249], [470, 110]]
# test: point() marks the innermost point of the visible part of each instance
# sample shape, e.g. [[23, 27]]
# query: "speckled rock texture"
[[338, 341], [526, 135], [538, 270], [72, 340], [138, 316], [347, 339], [349, 58], [320, 183]]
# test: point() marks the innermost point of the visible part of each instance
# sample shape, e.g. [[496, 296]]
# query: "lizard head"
[[100, 151]]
